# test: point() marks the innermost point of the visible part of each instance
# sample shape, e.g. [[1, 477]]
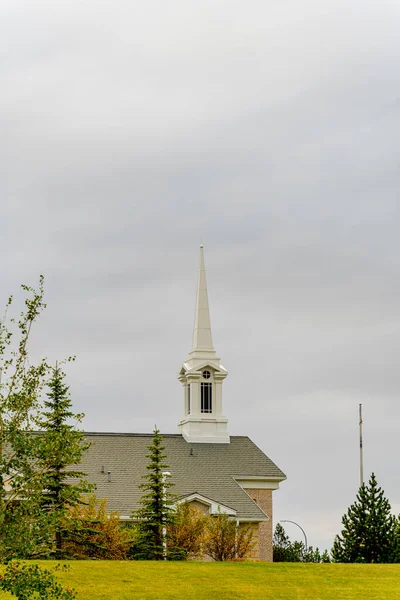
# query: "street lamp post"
[[294, 523], [164, 476]]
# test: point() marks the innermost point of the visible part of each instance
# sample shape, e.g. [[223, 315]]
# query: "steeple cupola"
[[202, 376]]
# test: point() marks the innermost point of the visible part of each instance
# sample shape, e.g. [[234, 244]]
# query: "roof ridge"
[[130, 434], [149, 433]]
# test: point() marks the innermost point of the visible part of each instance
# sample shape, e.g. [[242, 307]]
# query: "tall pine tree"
[[368, 534], [62, 447], [156, 510]]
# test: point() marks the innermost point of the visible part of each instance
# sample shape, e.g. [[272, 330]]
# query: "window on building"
[[206, 397], [188, 398], [206, 374]]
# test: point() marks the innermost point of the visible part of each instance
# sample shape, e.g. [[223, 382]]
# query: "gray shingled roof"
[[208, 471]]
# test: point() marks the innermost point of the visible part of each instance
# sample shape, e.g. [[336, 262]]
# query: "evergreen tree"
[[284, 550], [368, 534], [62, 445], [156, 510], [396, 545], [281, 545]]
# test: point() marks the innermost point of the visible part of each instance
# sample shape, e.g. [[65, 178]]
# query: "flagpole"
[[361, 447]]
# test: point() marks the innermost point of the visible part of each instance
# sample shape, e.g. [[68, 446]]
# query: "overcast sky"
[[269, 131]]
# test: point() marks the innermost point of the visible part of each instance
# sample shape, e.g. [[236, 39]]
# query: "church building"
[[216, 471]]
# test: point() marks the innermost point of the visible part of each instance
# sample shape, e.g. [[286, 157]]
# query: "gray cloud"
[[133, 132]]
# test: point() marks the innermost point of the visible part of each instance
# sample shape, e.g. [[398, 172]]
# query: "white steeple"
[[202, 340], [201, 376]]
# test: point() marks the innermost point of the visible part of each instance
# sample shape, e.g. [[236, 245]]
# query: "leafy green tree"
[[369, 529], [61, 445], [25, 530], [30, 582], [157, 505], [21, 481]]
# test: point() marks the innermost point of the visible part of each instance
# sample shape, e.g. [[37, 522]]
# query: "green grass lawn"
[[101, 580]]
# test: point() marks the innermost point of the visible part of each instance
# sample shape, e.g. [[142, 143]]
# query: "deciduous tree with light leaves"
[[26, 531]]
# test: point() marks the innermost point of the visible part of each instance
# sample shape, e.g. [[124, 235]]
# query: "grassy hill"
[[103, 580]]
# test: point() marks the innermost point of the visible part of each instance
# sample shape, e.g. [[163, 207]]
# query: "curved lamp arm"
[[294, 523]]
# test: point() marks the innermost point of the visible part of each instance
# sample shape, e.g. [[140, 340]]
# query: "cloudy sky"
[[269, 131]]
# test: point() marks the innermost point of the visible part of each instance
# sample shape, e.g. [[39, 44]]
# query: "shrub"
[[186, 534], [29, 582], [226, 540], [92, 532]]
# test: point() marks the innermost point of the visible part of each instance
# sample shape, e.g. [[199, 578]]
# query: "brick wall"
[[262, 532], [255, 551], [264, 500], [200, 506]]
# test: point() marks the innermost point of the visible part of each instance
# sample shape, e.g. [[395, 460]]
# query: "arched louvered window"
[[206, 397]]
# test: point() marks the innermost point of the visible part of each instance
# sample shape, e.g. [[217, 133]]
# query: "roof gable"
[[204, 469], [186, 368], [215, 507]]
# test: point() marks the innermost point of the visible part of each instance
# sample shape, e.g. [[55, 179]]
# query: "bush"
[[226, 540], [91, 532], [29, 582], [186, 534]]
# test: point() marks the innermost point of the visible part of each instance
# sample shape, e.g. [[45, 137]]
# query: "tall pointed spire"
[[202, 376], [202, 339]]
